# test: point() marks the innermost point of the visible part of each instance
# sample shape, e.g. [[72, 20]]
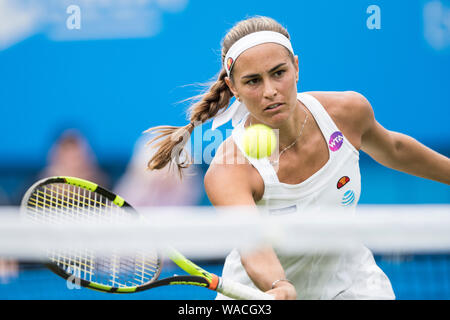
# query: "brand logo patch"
[[229, 63], [336, 141], [342, 181], [348, 198]]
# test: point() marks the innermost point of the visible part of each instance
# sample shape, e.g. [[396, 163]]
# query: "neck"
[[290, 130]]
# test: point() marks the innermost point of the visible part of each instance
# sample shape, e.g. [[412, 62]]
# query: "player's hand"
[[283, 291]]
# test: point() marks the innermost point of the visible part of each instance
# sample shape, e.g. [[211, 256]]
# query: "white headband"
[[237, 111], [252, 40]]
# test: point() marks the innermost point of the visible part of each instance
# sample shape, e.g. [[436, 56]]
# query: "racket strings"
[[66, 198], [49, 202], [62, 203]]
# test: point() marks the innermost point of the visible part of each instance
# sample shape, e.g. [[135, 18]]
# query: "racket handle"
[[238, 291]]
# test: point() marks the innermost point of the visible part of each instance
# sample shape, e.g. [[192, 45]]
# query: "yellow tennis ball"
[[259, 141]]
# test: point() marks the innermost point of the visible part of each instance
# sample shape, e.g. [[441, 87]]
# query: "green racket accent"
[[126, 290], [188, 266], [98, 286], [119, 201], [103, 288], [81, 183]]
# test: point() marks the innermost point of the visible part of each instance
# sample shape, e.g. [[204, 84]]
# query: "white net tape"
[[204, 232]]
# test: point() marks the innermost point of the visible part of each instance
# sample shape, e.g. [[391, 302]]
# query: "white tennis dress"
[[349, 275]]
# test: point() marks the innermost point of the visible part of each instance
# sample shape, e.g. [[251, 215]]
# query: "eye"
[[279, 73], [252, 81]]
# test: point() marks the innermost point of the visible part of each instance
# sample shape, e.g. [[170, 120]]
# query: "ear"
[[230, 85]]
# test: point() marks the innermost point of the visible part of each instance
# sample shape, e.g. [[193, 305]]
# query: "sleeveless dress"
[[318, 275]]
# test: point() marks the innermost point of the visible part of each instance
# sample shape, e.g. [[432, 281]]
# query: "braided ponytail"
[[173, 139]]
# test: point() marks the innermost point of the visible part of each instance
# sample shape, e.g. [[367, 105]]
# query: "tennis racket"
[[57, 200]]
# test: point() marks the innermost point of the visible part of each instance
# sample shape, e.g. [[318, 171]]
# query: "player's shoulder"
[[342, 101], [350, 110], [230, 178], [345, 106]]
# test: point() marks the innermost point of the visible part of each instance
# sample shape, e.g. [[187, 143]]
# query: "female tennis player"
[[320, 135]]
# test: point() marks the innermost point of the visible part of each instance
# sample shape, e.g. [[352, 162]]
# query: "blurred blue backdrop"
[[124, 71]]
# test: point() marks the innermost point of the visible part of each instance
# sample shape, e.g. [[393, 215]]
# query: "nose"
[[270, 91]]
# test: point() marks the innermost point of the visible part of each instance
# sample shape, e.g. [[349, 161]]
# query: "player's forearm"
[[412, 157], [263, 267]]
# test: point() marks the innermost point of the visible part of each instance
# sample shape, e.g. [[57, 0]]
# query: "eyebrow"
[[271, 70]]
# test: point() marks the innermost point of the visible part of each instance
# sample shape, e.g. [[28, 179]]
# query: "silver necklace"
[[296, 139]]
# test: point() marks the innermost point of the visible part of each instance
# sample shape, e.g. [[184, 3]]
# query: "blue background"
[[113, 89]]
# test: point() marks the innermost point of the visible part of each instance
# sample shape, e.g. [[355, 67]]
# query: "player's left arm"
[[396, 150]]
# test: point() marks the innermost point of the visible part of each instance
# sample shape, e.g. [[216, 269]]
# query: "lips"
[[273, 106]]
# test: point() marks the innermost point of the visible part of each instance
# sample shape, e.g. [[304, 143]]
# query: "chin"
[[276, 121]]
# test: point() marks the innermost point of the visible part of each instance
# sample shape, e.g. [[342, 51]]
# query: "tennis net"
[[411, 244]]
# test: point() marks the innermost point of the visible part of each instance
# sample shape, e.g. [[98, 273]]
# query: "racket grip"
[[238, 291]]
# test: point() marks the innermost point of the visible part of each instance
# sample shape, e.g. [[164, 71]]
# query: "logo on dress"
[[342, 181], [336, 141], [348, 198]]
